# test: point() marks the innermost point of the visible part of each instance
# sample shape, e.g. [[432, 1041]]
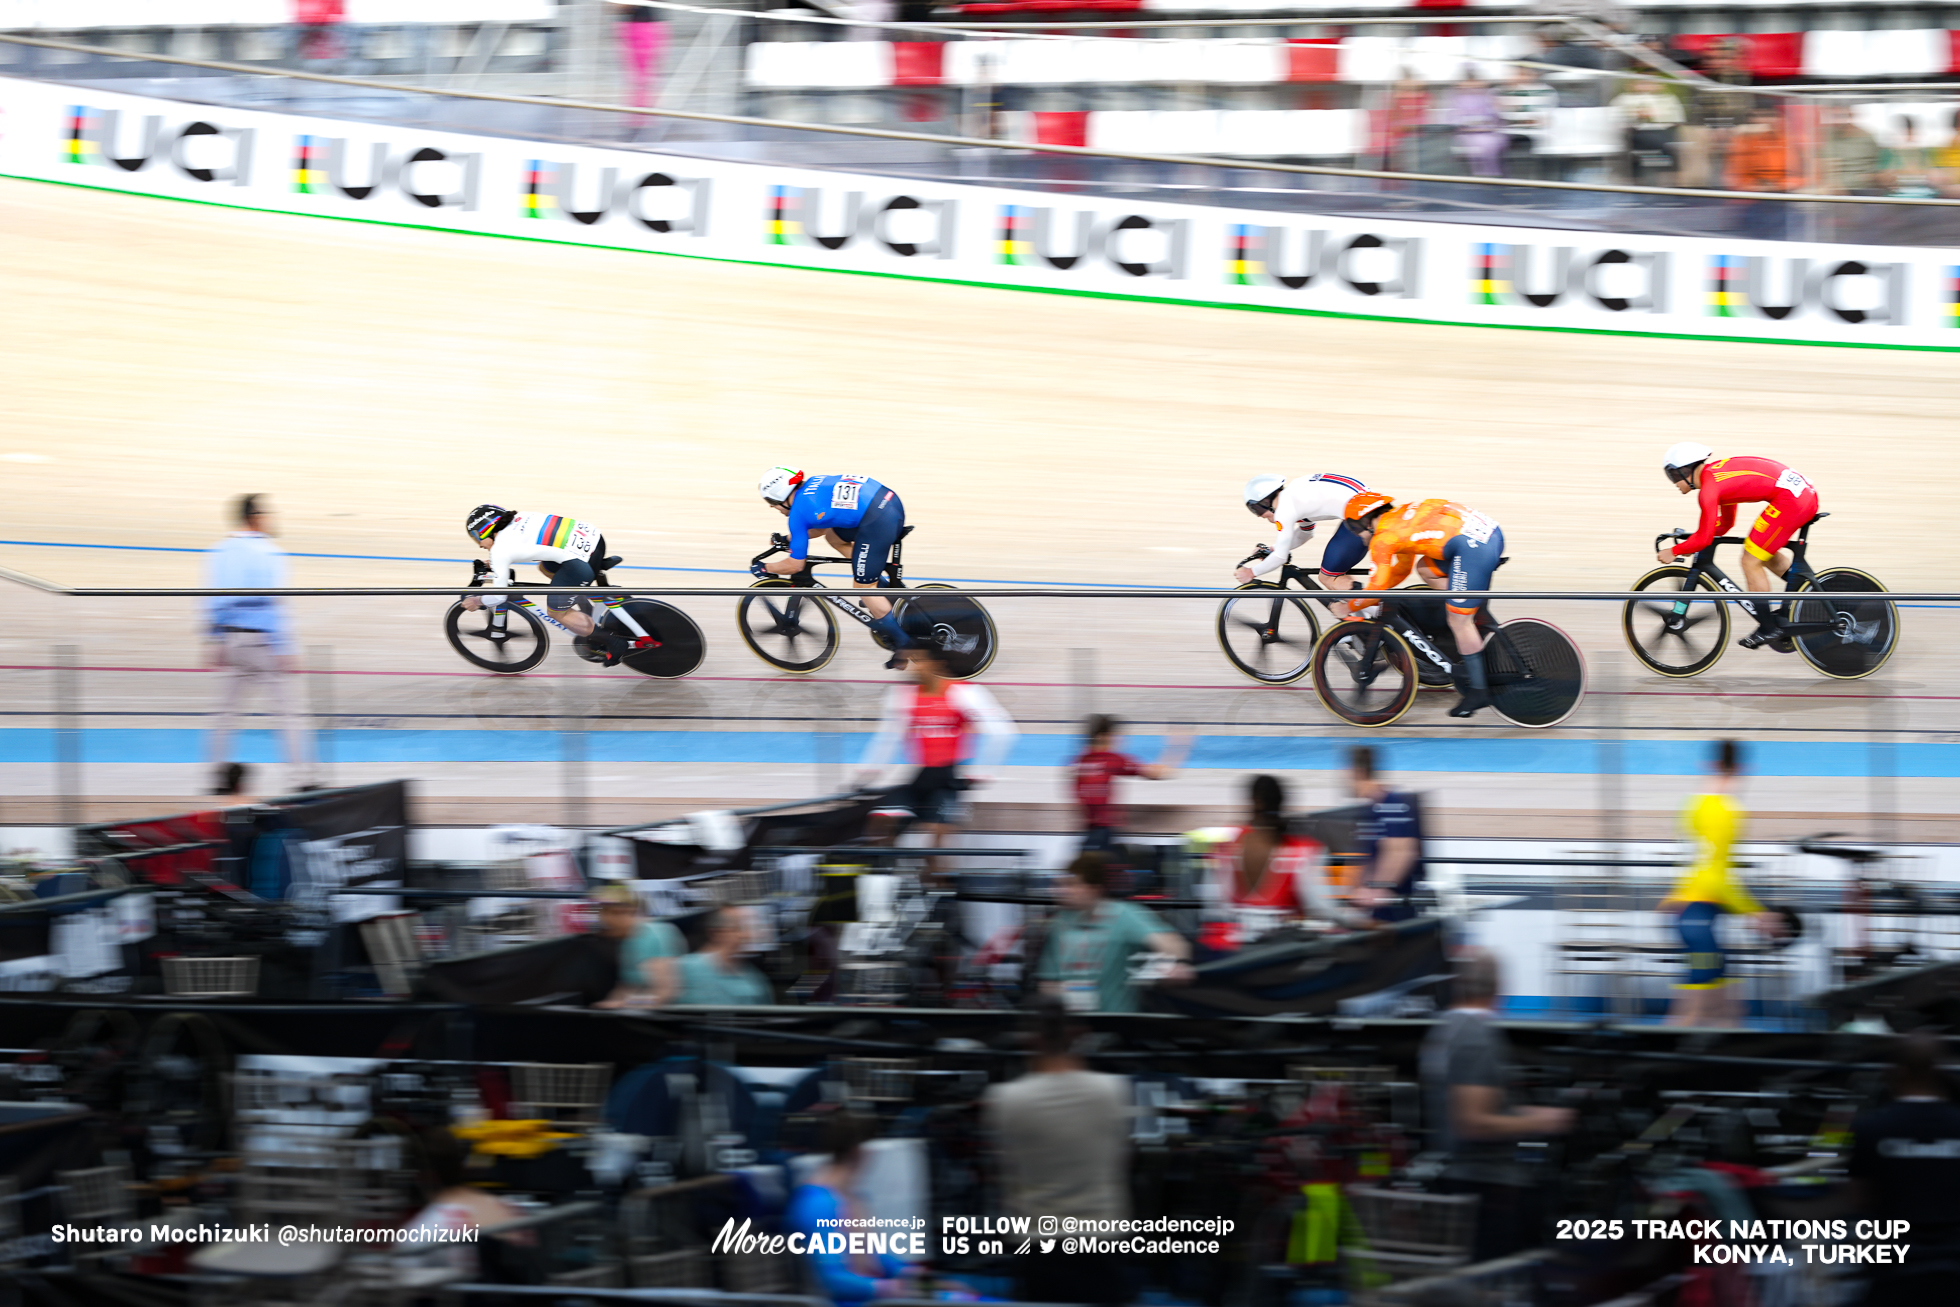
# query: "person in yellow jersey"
[[1710, 890]]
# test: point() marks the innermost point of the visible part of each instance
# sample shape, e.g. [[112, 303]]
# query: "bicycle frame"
[[1800, 572], [894, 570], [499, 616]]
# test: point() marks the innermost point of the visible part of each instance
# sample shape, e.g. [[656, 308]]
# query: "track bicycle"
[[1270, 637], [1367, 671], [510, 638], [796, 632], [1838, 628]]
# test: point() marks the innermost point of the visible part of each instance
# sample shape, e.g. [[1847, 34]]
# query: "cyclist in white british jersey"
[[569, 553], [1293, 507]]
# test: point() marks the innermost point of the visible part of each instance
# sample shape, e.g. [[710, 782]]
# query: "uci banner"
[[982, 234]]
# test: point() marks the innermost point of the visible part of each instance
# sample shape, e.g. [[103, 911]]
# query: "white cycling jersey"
[[1305, 500], [538, 538]]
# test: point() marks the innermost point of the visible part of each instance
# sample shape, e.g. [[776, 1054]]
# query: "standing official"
[[250, 641]]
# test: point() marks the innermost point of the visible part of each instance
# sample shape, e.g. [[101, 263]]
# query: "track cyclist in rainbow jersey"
[[1719, 484], [1294, 507], [856, 516], [569, 553], [1451, 548]]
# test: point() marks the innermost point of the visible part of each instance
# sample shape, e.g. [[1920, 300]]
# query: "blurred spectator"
[[1720, 113], [1905, 1166], [1525, 104], [1576, 89], [1466, 1077], [1906, 169], [933, 718], [1946, 161], [250, 641], [1062, 1133], [1264, 878], [828, 1198], [1651, 119], [642, 39], [1847, 156], [454, 1204], [1407, 118], [715, 975], [234, 782], [1086, 962], [648, 950], [1759, 160], [1391, 841], [1471, 111], [1714, 821], [1097, 769]]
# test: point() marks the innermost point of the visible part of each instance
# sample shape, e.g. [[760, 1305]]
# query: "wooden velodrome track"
[[161, 358]]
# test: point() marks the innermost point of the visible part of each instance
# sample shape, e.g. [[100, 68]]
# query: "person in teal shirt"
[[1093, 937], [647, 950], [715, 975]]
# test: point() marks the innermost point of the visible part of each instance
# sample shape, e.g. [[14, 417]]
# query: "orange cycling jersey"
[[1420, 530]]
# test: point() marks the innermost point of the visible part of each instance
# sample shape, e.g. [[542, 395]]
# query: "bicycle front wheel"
[[1269, 636], [787, 626], [672, 644], [954, 624], [1672, 635], [505, 640], [1364, 673], [1537, 675], [1864, 631]]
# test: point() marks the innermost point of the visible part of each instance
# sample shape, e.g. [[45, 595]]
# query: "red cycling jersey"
[[938, 727], [1726, 482], [1095, 776]]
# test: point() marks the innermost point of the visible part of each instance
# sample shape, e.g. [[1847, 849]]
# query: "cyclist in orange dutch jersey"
[[1719, 484], [1451, 548]]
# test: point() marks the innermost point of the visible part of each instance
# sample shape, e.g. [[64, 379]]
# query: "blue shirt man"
[[250, 641], [1390, 836]]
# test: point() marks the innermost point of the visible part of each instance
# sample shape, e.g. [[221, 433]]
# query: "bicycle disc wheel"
[[1364, 673], [1867, 628], [677, 647], [1673, 636], [1269, 638], [516, 644], [788, 627], [954, 624], [1537, 675]]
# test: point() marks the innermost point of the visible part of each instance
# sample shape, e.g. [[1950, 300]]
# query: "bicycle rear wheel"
[[1537, 675], [505, 640], [1364, 673], [957, 626], [674, 648], [1672, 635], [1867, 628], [1269, 637], [788, 627]]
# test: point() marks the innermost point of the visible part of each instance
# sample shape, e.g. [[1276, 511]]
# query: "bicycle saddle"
[[1848, 852], [608, 564], [1501, 561], [907, 529]]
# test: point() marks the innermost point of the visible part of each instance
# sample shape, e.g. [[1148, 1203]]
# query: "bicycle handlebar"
[[1679, 533]]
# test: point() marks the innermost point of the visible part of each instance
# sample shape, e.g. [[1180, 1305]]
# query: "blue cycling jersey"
[[834, 502]]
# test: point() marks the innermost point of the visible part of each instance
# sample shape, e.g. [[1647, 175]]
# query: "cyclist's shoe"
[[1474, 683], [609, 647], [1472, 703], [1769, 633]]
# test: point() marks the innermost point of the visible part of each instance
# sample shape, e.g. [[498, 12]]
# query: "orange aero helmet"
[[1358, 508]]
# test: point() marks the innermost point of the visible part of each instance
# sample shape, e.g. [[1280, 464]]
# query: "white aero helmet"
[[1260, 490], [779, 483], [1684, 457]]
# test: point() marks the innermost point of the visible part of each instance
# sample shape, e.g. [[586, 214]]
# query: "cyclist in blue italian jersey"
[[854, 515]]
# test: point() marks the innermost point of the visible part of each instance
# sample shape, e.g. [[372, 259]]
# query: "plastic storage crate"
[[211, 977]]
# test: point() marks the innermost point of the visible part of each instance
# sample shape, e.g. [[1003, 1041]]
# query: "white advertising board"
[[984, 234]]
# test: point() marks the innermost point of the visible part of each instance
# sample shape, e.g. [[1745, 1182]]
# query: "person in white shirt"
[[569, 553], [249, 639], [1294, 507]]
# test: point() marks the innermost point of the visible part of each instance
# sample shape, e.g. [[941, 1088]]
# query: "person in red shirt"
[[1265, 877], [1096, 772], [1719, 484]]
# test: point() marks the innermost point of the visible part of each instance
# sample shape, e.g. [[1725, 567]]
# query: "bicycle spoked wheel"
[[788, 627], [1866, 629], [1537, 675], [1672, 635], [1364, 673], [954, 624], [505, 640], [672, 645], [1269, 636]]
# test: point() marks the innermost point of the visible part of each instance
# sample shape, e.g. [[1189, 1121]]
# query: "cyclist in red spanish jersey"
[[1719, 484], [1451, 548], [933, 717]]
